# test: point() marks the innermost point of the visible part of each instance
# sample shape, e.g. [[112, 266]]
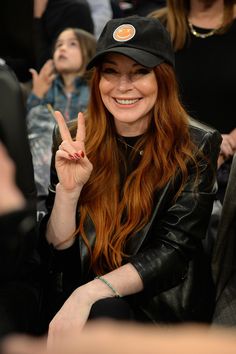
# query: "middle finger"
[[80, 134]]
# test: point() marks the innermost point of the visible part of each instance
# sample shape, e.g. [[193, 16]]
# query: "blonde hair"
[[167, 149], [175, 18]]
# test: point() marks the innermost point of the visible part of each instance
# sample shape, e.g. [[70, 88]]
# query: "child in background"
[[62, 83]]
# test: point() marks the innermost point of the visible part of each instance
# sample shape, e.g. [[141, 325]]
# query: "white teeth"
[[127, 101]]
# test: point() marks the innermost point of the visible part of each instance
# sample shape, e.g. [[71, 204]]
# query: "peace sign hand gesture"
[[72, 165]]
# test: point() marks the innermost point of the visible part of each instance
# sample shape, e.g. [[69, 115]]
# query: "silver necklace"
[[130, 146], [202, 35]]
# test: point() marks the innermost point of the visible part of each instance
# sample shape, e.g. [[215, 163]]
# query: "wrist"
[[38, 93], [95, 290], [68, 194], [110, 286]]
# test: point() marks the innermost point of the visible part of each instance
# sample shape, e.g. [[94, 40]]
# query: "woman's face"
[[129, 92], [67, 54]]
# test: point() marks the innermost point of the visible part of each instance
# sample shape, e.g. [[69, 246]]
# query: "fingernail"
[[80, 154], [76, 156]]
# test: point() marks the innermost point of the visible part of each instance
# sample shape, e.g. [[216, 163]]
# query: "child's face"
[[67, 55]]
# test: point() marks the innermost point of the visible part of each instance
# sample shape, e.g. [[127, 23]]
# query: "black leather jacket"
[[167, 252]]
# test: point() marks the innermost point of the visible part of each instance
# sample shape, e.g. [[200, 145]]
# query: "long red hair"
[[167, 148]]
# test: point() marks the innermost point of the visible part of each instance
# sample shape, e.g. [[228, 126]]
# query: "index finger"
[[80, 134], [64, 131]]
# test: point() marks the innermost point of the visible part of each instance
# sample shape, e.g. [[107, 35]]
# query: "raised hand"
[[72, 165], [42, 81]]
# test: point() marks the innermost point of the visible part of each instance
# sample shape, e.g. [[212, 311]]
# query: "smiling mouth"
[[127, 101]]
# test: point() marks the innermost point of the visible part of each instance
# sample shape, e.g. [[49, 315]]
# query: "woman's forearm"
[[62, 222], [124, 281]]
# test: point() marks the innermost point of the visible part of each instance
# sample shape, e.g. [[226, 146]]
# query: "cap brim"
[[140, 56]]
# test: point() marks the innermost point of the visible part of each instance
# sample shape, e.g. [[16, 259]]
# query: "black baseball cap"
[[142, 39]]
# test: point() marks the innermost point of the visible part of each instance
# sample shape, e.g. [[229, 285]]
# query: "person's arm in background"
[[43, 72], [149, 339], [39, 7], [17, 221], [11, 197], [107, 337], [42, 50], [41, 84], [228, 147], [13, 132]]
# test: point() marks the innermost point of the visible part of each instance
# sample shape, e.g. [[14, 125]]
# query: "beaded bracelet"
[[109, 285]]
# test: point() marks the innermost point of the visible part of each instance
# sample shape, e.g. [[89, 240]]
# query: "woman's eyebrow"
[[109, 61]]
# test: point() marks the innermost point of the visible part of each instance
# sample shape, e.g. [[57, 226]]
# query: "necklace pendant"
[[140, 152], [202, 35]]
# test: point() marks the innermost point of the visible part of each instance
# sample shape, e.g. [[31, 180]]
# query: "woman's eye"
[[142, 71], [109, 71]]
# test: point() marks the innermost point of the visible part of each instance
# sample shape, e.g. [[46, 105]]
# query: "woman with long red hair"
[[132, 188]]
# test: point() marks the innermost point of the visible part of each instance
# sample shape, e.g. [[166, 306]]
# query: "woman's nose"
[[125, 82]]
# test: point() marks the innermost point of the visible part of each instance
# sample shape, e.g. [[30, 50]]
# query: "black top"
[[206, 70], [167, 252]]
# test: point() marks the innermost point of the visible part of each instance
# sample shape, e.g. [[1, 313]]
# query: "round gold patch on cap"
[[124, 33]]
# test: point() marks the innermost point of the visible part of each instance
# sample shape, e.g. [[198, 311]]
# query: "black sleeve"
[[176, 234]]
